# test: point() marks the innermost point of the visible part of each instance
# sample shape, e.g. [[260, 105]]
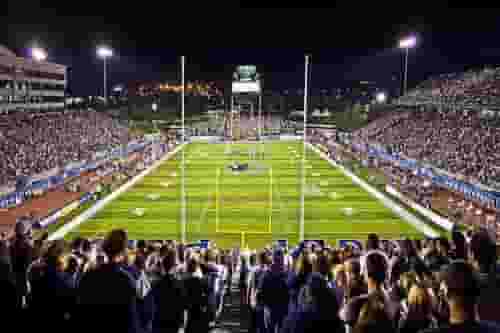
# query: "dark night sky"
[[346, 43]]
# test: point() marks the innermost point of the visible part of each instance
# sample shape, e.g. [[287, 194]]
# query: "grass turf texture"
[[250, 208]]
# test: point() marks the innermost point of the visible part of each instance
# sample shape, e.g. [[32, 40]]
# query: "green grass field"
[[250, 208]]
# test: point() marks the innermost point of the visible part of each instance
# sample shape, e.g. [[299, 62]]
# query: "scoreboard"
[[246, 80]]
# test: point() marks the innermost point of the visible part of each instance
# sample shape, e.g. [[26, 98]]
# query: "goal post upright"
[[270, 221], [183, 129], [304, 134], [217, 174]]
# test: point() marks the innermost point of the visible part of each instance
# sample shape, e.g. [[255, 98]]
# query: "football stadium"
[[316, 191]]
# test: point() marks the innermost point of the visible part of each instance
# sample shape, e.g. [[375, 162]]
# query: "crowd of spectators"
[[459, 142], [475, 88], [32, 143], [417, 187], [431, 285]]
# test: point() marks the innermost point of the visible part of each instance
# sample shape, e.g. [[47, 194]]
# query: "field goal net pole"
[[183, 129], [303, 173]]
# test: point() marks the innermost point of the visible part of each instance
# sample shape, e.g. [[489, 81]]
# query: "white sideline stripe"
[[89, 213], [400, 211]]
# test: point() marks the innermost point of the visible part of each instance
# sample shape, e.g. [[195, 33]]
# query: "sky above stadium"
[[346, 43]]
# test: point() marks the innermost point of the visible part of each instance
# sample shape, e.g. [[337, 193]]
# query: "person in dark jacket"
[[9, 300], [56, 288], [318, 309], [107, 296], [461, 291], [419, 314], [196, 297], [275, 294], [22, 253], [169, 298]]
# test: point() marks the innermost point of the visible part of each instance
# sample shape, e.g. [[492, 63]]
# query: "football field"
[[247, 194]]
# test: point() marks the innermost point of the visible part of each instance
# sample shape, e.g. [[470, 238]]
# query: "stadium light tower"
[[406, 44], [104, 53], [38, 54], [381, 97]]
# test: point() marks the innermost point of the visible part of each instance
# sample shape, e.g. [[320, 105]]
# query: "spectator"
[[9, 303], [56, 288], [375, 275], [372, 243], [196, 297], [169, 298], [275, 294], [22, 253], [243, 279], [374, 316], [255, 292], [145, 304], [318, 309], [460, 246], [354, 282], [419, 313], [461, 289], [340, 282], [108, 294], [216, 275], [483, 258], [297, 279]]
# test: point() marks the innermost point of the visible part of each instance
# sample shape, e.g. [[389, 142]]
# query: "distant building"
[[27, 84]]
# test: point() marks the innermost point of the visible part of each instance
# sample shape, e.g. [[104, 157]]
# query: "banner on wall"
[[472, 192]]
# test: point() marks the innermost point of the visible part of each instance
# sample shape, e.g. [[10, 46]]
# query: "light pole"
[[406, 44], [104, 53]]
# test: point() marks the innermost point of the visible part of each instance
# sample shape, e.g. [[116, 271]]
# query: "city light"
[[408, 42], [38, 54], [104, 52]]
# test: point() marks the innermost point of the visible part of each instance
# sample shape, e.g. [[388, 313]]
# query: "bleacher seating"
[[472, 89], [33, 143]]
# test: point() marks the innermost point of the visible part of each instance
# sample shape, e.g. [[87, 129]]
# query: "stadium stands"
[[472, 89], [146, 286], [33, 143], [459, 142]]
